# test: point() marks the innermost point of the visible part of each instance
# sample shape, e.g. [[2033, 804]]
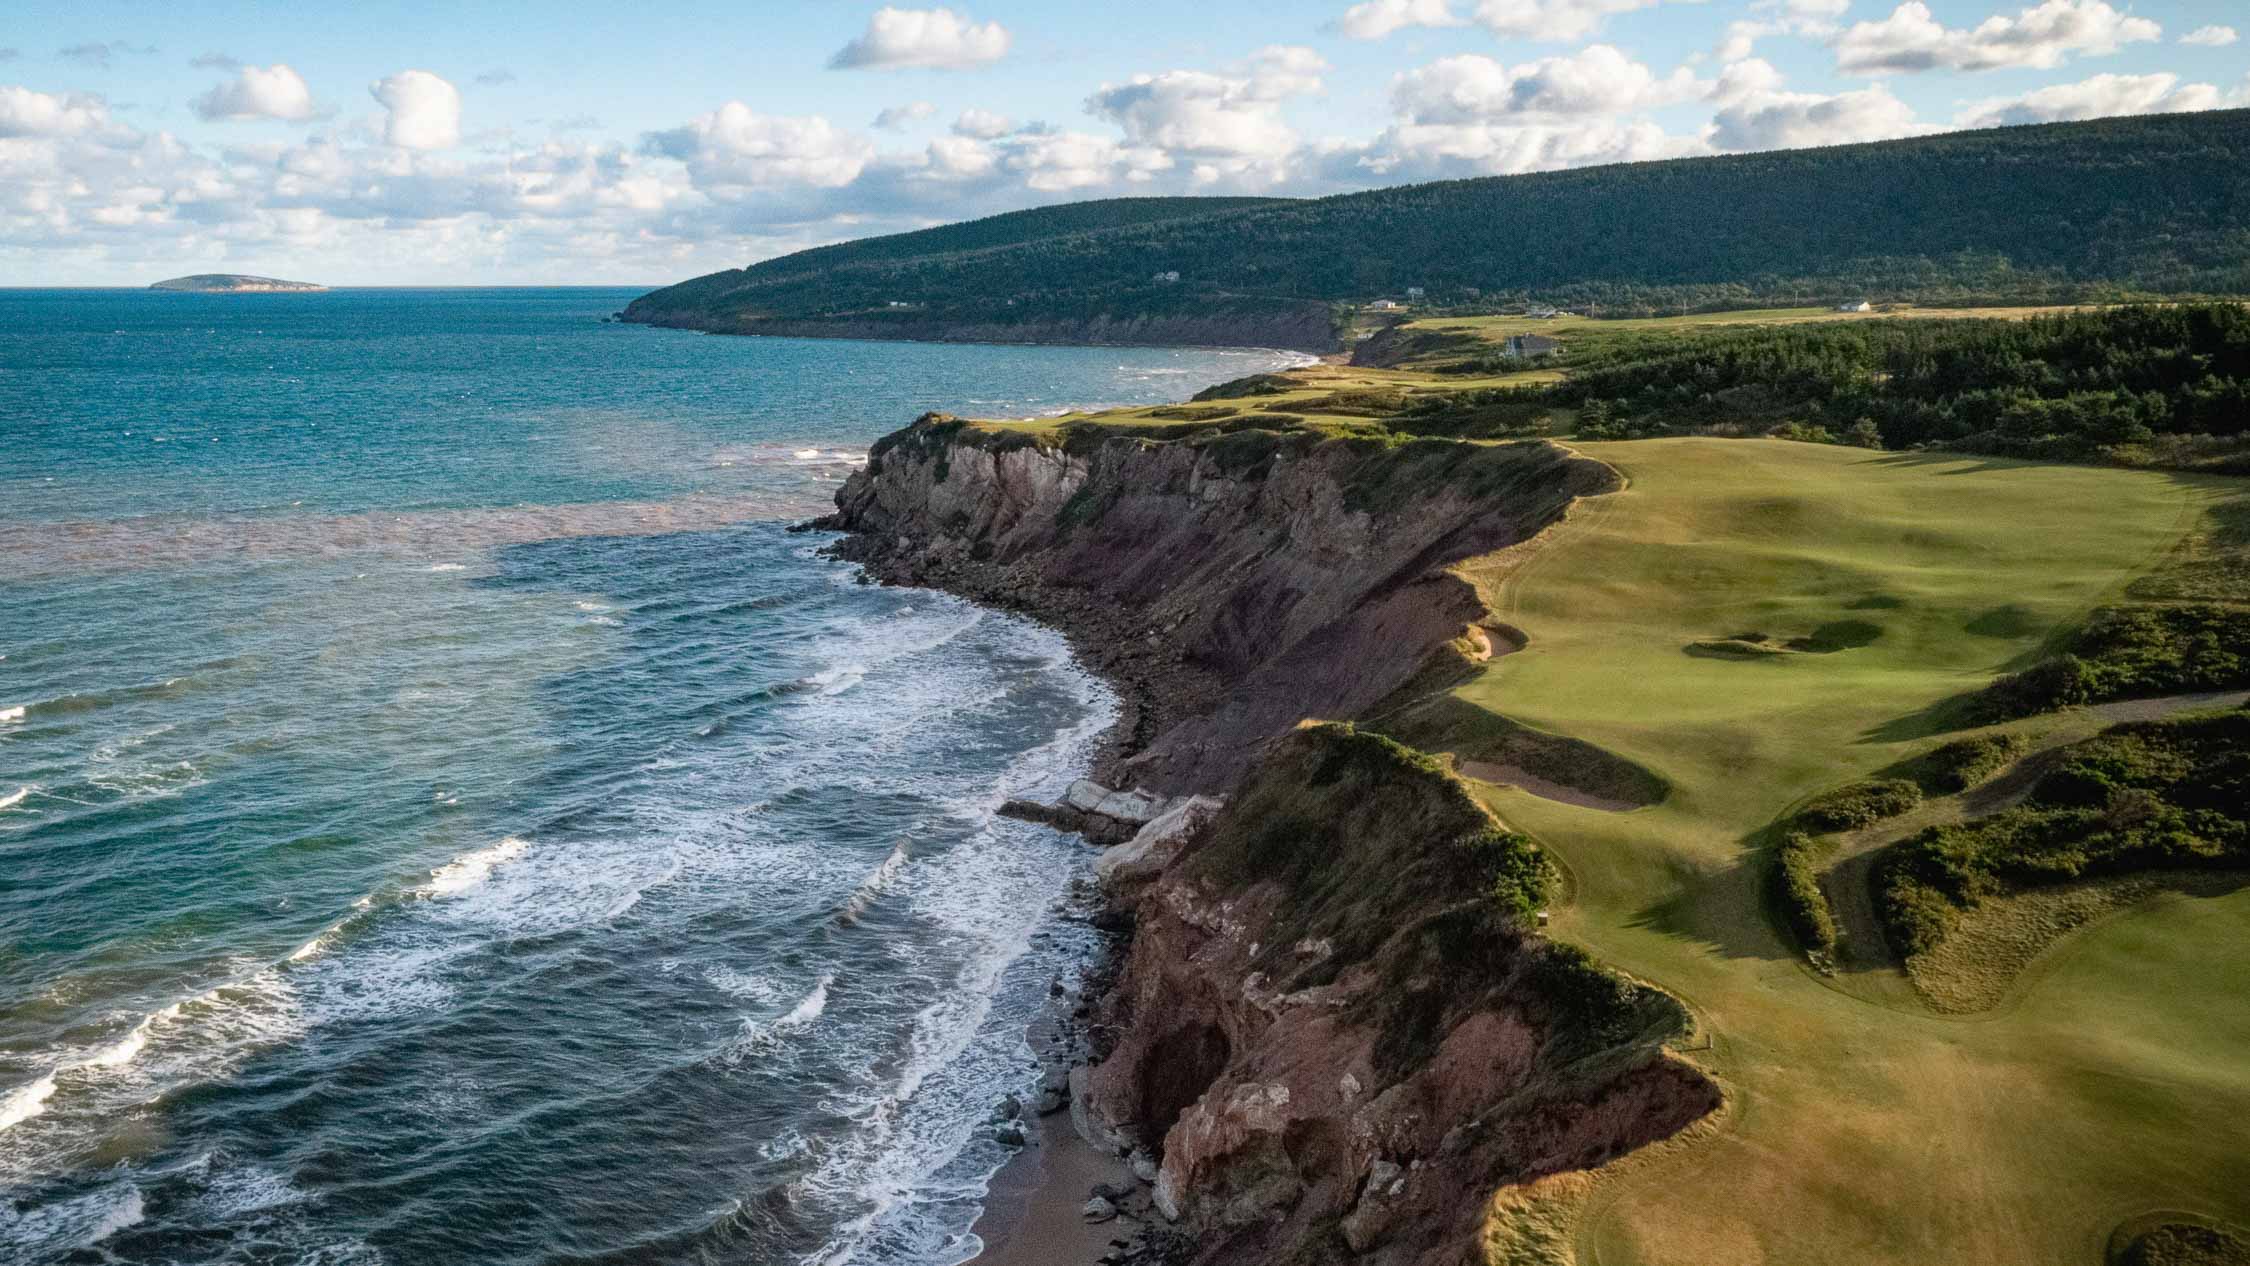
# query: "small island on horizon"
[[234, 283]]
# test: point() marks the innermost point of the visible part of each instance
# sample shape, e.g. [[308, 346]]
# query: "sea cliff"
[[1336, 1032]]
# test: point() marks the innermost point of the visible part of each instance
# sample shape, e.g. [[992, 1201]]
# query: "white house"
[[1384, 305], [1168, 275], [1862, 306]]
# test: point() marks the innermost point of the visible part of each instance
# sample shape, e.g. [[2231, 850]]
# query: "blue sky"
[[530, 143]]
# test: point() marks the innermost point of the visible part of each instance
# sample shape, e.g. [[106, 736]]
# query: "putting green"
[[1861, 1128]]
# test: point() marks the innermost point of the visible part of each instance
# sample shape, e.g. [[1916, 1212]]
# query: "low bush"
[[1797, 893], [1964, 763], [1242, 388], [1859, 804], [2186, 1244], [2135, 797], [2130, 652]]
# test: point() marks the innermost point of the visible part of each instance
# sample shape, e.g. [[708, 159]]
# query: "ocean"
[[445, 817]]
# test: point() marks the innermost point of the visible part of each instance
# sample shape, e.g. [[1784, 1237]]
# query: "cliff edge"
[[1336, 1032]]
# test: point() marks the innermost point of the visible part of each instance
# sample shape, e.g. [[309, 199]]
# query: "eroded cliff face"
[[1339, 1044], [1330, 1033], [1232, 583]]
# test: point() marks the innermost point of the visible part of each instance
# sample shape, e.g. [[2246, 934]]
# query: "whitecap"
[[73, 1224], [26, 1101], [811, 1007], [470, 869], [449, 567], [12, 714], [16, 797], [872, 887], [837, 680]]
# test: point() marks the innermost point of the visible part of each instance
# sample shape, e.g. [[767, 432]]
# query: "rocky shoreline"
[[1316, 1037]]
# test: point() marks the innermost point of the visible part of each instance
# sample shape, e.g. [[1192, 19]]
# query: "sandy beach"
[[1033, 1215]]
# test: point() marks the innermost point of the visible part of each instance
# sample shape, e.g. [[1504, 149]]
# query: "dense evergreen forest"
[[2071, 385], [2075, 211]]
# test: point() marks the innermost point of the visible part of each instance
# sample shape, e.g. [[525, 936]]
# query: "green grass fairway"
[[2115, 1082]]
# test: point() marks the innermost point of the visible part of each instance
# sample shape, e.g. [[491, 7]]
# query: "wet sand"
[[1032, 1213]]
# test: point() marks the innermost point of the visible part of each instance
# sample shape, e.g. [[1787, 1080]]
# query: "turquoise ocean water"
[[445, 818]]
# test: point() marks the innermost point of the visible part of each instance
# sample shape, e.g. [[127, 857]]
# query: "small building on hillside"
[[1167, 276], [1861, 306], [1541, 312], [1383, 305], [1531, 346]]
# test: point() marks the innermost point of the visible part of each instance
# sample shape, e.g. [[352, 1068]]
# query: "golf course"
[[1861, 1124], [1726, 697]]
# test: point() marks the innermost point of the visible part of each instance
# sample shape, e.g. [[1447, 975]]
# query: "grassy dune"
[[1864, 1127]]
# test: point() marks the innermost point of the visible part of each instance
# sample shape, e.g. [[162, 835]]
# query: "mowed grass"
[[1862, 1128]]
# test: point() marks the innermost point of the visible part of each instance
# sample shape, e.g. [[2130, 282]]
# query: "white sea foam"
[[26, 1101], [12, 714], [872, 887], [16, 797], [51, 1231], [806, 454], [756, 1036], [740, 984], [449, 567], [225, 1022], [470, 869]]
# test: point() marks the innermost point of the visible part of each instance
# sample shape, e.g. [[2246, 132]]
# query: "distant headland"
[[233, 283]]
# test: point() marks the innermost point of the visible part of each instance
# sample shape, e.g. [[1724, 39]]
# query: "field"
[[1864, 1127]]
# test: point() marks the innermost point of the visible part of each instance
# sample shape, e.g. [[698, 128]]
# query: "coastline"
[[1034, 1206]]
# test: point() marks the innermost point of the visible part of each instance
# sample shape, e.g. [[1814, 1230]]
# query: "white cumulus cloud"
[[25, 112], [423, 110], [258, 92], [1377, 18], [2099, 97], [1596, 80], [1558, 20], [983, 125], [937, 39], [2043, 37], [1801, 119], [2211, 36], [1229, 120], [737, 148]]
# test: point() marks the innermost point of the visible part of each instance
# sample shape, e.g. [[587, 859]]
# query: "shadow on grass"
[[1727, 913]]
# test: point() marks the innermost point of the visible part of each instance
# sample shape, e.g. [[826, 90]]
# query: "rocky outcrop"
[[1340, 1045], [1231, 582]]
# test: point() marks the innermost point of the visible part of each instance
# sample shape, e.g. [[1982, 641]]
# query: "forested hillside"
[[2157, 205]]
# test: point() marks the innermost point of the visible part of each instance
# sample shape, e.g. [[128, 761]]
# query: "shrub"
[[2135, 797], [1965, 763], [1859, 804], [2131, 652], [1804, 907], [2185, 1244]]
